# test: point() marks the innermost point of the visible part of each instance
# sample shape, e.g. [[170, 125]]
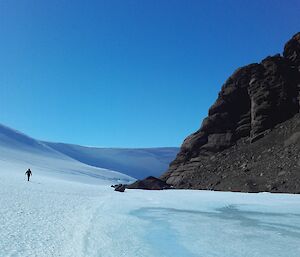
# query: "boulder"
[[120, 188], [149, 183]]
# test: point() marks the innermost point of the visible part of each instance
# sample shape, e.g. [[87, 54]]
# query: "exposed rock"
[[149, 183], [256, 103], [217, 142], [120, 188], [292, 50]]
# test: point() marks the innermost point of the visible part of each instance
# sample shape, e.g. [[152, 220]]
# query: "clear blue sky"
[[128, 73]]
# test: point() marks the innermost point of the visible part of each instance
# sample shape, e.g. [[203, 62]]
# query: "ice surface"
[[54, 217]]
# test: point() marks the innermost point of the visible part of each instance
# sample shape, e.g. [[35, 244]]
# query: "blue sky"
[[124, 73]]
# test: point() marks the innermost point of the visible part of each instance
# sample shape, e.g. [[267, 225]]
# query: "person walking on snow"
[[28, 173]]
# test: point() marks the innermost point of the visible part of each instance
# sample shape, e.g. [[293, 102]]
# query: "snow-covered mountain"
[[18, 148], [137, 163], [19, 152]]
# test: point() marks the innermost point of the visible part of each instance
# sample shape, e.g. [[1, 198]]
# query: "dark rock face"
[[251, 103], [292, 50], [149, 183]]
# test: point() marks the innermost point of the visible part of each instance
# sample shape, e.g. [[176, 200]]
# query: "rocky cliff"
[[250, 140]]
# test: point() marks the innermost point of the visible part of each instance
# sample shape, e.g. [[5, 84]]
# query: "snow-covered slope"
[[20, 152], [137, 163]]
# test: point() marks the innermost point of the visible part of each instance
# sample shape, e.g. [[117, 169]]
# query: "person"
[[28, 173]]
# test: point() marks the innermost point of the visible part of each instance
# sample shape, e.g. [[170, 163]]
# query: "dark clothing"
[[28, 173]]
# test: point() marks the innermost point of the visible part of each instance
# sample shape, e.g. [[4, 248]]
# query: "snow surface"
[[69, 209], [55, 217]]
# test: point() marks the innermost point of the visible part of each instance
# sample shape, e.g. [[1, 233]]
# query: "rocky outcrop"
[[251, 103], [149, 183], [292, 50], [120, 188]]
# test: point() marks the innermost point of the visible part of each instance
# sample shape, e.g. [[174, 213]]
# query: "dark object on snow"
[[250, 140], [28, 173], [119, 188], [149, 183]]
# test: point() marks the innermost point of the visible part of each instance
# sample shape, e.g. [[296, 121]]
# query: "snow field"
[[56, 217]]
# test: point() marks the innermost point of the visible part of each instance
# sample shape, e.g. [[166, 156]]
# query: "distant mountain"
[[18, 152], [250, 140], [137, 163]]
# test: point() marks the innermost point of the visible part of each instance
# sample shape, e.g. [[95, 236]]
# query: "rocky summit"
[[250, 141]]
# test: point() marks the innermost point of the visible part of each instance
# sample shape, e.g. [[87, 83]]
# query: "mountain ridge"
[[136, 162], [252, 103]]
